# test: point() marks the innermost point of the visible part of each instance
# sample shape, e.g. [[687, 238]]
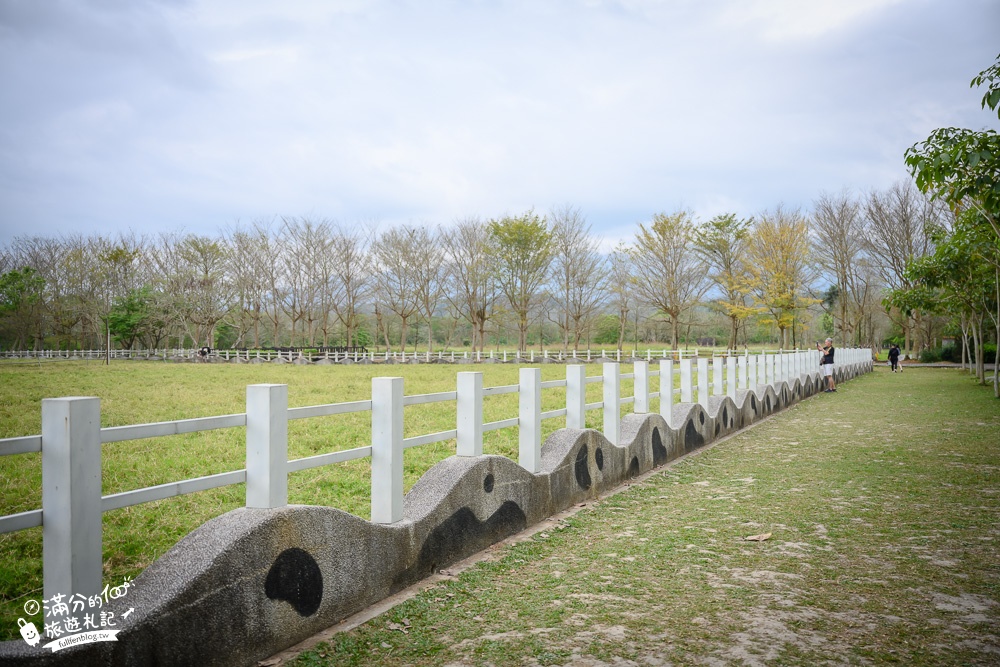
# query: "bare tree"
[[396, 254], [473, 288], [668, 274], [306, 246], [578, 274], [208, 289], [839, 248], [352, 277], [249, 282], [270, 267], [429, 274], [896, 231], [621, 286]]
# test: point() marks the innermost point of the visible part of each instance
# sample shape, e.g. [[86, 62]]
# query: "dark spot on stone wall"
[[295, 578], [692, 438], [701, 418], [767, 403], [725, 415], [488, 483], [599, 458], [659, 451], [753, 403], [461, 535], [633, 467], [582, 470]]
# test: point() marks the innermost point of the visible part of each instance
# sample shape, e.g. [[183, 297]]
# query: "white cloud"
[[196, 113], [780, 21]]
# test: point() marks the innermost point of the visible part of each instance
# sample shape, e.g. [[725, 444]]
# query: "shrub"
[[951, 353], [930, 356]]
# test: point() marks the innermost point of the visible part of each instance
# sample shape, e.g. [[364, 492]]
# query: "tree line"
[[527, 278]]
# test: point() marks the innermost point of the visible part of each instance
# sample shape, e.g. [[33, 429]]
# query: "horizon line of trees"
[[528, 278]]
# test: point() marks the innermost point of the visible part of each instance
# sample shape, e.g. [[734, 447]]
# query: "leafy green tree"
[[21, 297], [522, 251], [961, 278], [607, 330], [962, 166], [139, 317]]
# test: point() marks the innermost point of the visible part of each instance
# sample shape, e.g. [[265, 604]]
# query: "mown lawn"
[[882, 506], [134, 392]]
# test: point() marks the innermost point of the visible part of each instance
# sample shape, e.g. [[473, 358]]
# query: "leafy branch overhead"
[[961, 166]]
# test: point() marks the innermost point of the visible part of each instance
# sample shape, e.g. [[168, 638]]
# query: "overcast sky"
[[192, 115]]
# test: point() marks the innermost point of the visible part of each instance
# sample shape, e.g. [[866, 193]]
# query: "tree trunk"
[[622, 325], [996, 323], [430, 333], [403, 330]]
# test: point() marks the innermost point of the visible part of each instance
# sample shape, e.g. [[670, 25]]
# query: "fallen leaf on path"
[[758, 538]]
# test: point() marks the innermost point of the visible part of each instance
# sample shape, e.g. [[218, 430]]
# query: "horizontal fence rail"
[[71, 440]]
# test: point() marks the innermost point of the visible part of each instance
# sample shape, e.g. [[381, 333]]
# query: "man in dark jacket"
[[894, 356]]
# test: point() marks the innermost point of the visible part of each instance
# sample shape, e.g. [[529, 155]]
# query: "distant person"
[[826, 364], [894, 357]]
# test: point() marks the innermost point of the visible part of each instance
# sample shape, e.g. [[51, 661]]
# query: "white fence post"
[[717, 376], [666, 389], [576, 396], [529, 420], [731, 377], [267, 445], [640, 383], [469, 414], [687, 393], [72, 561], [387, 449], [612, 401], [742, 363], [703, 382]]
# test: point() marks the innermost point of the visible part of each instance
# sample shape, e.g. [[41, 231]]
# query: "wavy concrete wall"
[[253, 582]]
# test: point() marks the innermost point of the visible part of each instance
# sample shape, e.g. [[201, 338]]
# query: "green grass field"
[[883, 507], [133, 392]]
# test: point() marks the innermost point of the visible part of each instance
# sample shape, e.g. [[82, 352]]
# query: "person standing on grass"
[[826, 363], [894, 356]]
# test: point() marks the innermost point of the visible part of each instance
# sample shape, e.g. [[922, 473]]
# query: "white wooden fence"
[[530, 356], [71, 440]]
